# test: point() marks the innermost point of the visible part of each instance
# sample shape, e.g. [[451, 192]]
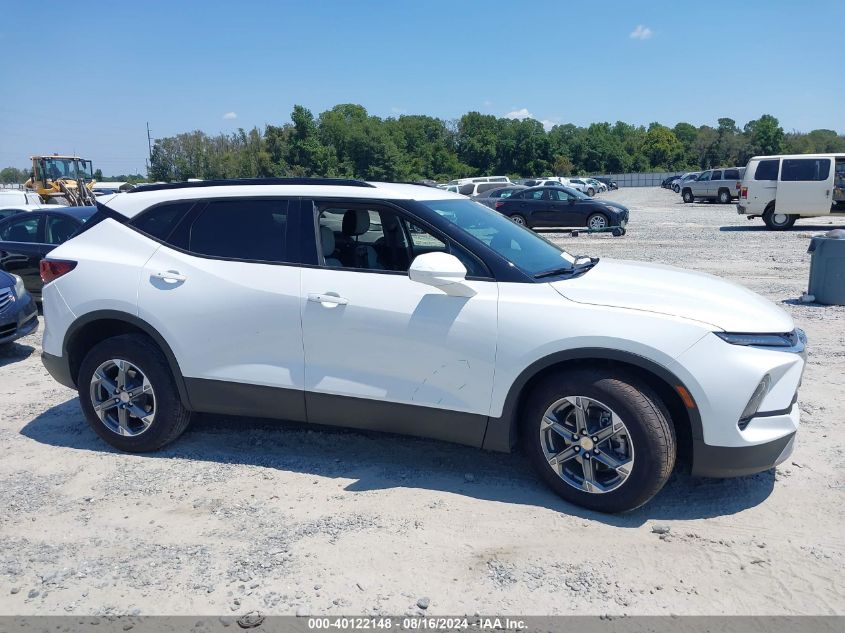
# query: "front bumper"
[[735, 461], [18, 321]]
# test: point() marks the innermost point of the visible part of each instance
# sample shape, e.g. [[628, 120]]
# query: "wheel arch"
[[94, 327], [502, 432]]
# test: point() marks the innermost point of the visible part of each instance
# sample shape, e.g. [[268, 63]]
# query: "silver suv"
[[714, 184]]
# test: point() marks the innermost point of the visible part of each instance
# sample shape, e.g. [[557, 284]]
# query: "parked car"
[[27, 237], [667, 182], [598, 184], [472, 189], [611, 184], [5, 212], [19, 197], [721, 185], [408, 309], [18, 313], [464, 181], [561, 207], [489, 198], [583, 186], [690, 175], [781, 189]]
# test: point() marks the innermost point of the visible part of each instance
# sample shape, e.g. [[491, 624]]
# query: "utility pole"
[[149, 141]]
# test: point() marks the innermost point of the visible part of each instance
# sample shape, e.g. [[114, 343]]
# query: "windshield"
[[72, 168], [522, 247]]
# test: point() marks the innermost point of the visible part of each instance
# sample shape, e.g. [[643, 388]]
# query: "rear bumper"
[[741, 209], [59, 368], [735, 461]]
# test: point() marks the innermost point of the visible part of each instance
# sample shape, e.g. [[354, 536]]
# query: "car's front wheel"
[[602, 440], [129, 396], [688, 197], [676, 189], [597, 221], [518, 219]]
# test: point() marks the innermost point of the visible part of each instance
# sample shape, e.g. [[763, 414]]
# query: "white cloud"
[[547, 124], [522, 113], [641, 33], [230, 116]]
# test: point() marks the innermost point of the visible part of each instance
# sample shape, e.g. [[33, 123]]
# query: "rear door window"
[[59, 228], [805, 169], [717, 175], [767, 169], [251, 229]]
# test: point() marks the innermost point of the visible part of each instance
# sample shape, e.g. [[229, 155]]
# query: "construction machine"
[[66, 180]]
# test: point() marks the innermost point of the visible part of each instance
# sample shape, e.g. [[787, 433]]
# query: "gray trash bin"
[[827, 268]]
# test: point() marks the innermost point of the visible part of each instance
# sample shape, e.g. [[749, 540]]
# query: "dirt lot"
[[244, 515]]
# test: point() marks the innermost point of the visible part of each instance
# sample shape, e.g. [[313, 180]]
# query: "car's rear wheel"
[[725, 196], [518, 219], [602, 440], [129, 396], [597, 221], [676, 189], [777, 221], [687, 196]]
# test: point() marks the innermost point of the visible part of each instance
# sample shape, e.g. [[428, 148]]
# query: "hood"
[[672, 291], [615, 205]]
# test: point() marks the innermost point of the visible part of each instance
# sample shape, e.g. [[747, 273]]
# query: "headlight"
[[759, 340], [19, 288]]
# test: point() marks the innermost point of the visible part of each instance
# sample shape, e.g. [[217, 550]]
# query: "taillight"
[[738, 185], [499, 204], [51, 269], [744, 193]]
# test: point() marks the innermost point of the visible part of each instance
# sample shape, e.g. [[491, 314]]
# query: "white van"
[[466, 181], [476, 188], [781, 189]]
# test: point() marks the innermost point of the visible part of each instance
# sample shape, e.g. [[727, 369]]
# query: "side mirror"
[[442, 271]]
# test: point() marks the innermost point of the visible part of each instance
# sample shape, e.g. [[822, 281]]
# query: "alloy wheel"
[[598, 222], [586, 444], [518, 219], [123, 397]]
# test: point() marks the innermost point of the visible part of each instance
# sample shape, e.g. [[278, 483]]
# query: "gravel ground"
[[243, 515]]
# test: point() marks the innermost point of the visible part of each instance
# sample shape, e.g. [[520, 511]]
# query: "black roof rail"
[[340, 182]]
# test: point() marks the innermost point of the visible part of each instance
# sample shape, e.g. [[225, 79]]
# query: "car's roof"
[[23, 207], [133, 202], [80, 213]]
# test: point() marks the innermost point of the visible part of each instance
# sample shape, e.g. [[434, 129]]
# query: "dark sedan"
[[667, 182], [561, 207], [26, 238], [18, 314]]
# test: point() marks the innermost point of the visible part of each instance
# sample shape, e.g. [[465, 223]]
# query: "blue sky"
[[217, 66]]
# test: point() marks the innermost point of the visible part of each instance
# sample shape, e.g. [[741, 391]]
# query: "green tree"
[[765, 136]]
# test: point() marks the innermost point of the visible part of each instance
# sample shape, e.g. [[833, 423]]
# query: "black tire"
[[591, 192], [644, 415], [617, 232], [516, 218], [774, 222], [676, 188], [171, 418], [724, 196], [687, 196], [595, 217]]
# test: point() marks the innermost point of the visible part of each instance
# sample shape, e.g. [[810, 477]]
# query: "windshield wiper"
[[571, 271]]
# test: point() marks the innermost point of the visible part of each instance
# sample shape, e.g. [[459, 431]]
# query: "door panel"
[[396, 340], [226, 320], [805, 186]]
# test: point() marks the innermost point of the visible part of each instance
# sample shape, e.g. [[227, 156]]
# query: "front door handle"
[[329, 298], [169, 275]]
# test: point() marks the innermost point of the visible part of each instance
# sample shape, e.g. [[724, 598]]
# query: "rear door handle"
[[169, 275], [327, 298]]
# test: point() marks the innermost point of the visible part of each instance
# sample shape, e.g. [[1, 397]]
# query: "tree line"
[[346, 141]]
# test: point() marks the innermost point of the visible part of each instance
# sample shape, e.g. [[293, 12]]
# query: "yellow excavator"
[[66, 180]]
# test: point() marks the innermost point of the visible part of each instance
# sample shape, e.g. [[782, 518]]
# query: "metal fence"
[[641, 179]]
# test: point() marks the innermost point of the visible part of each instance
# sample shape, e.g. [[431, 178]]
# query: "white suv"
[[409, 309]]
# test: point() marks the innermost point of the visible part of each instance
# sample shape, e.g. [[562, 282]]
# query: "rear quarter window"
[[160, 221], [767, 169], [731, 174]]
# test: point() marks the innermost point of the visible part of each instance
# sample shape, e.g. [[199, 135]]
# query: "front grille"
[[6, 297]]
